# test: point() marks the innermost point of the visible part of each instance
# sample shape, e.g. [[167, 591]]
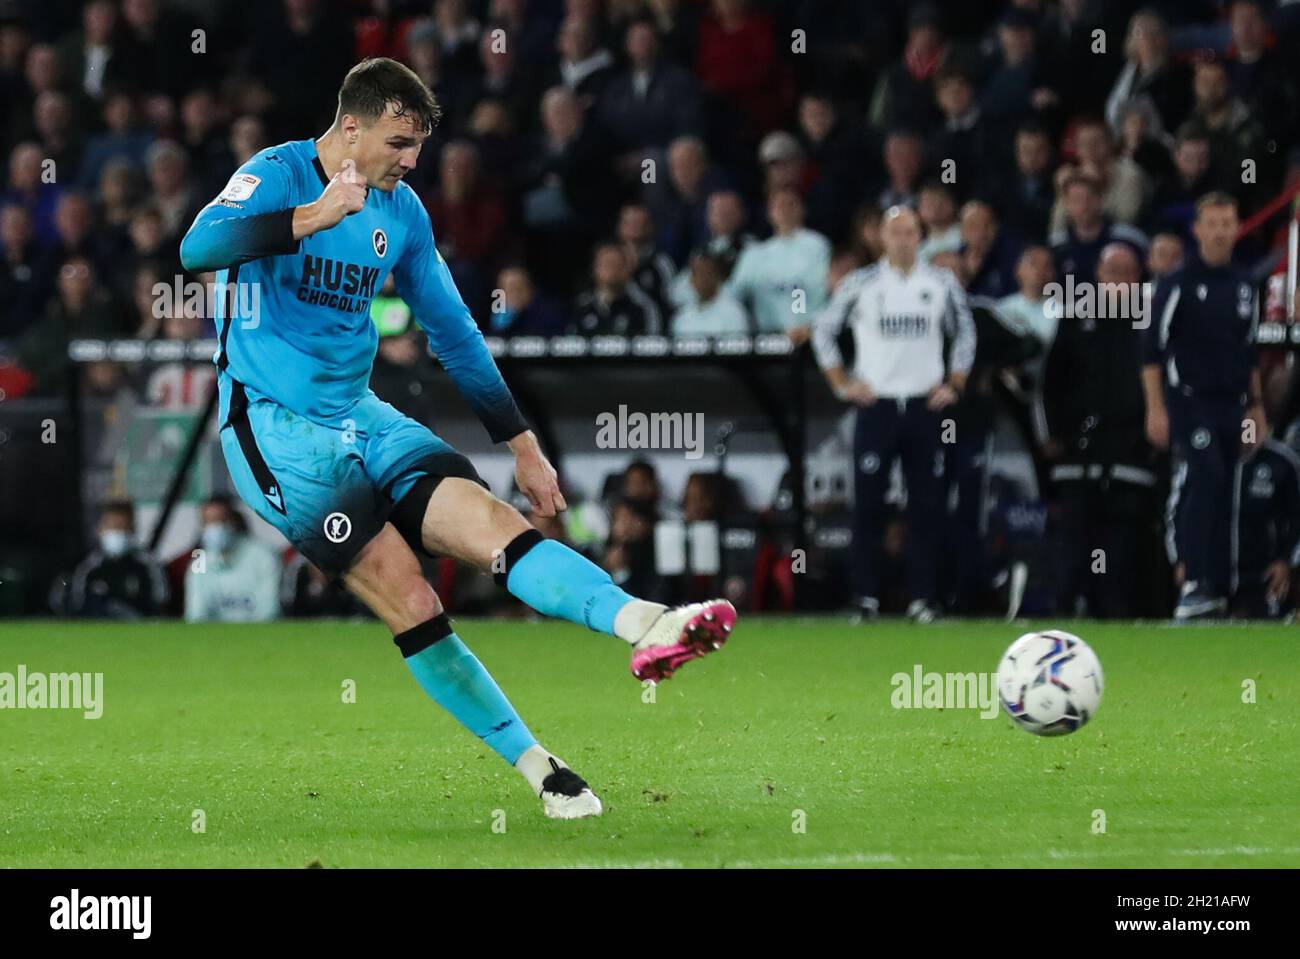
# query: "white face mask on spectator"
[[217, 537], [114, 542]]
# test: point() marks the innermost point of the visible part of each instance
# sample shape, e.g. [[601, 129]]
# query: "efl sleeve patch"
[[240, 187]]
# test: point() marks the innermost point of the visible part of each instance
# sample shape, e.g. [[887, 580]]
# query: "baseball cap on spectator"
[[779, 147]]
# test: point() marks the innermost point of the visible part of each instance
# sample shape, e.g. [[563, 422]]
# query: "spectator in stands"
[[30, 187], [299, 47], [1015, 75], [569, 168], [121, 140], [965, 138], [904, 93], [1024, 198], [247, 138], [503, 76], [614, 304], [629, 556], [837, 153], [652, 269], [525, 311], [1166, 255], [679, 205], [736, 62], [782, 280], [204, 138], [584, 66], [172, 191], [1257, 72], [712, 310], [640, 483], [25, 282], [81, 308], [61, 140], [1150, 73], [148, 308], [117, 580], [1235, 133], [650, 102], [469, 220], [865, 240], [903, 154], [74, 222], [727, 239], [1141, 140], [457, 33], [90, 54], [236, 579], [155, 48], [987, 254], [1087, 229], [401, 375], [1125, 189], [938, 209], [1029, 311], [1174, 206], [116, 199]]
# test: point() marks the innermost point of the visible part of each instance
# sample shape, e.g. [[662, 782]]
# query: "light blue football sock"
[[557, 581], [455, 679]]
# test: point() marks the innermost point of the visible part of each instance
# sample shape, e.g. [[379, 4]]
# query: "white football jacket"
[[899, 322]]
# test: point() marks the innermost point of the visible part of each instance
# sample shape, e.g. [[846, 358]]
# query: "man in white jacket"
[[899, 310]]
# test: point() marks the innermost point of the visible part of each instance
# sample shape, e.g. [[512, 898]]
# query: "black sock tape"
[[419, 638], [514, 552]]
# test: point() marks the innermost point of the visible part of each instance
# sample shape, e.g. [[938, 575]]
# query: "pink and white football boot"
[[679, 635]]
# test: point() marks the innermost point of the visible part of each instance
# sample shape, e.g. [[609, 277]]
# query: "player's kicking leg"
[[457, 517], [387, 577]]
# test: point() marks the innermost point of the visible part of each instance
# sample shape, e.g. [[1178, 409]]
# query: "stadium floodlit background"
[[588, 152]]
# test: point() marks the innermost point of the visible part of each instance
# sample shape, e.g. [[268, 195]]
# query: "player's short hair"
[[377, 83], [1215, 198]]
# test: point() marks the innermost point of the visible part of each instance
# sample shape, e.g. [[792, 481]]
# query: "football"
[[1050, 683]]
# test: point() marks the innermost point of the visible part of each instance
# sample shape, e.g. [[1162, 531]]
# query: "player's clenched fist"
[[344, 194]]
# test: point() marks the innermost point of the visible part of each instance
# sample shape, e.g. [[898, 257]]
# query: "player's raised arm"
[[253, 217]]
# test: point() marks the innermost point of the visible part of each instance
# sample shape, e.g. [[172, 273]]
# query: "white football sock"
[[632, 621], [534, 764]]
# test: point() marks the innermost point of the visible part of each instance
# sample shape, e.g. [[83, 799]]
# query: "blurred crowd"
[[633, 166], [647, 166]]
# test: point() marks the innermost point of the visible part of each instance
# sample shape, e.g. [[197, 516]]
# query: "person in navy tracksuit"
[[1202, 385], [1265, 544]]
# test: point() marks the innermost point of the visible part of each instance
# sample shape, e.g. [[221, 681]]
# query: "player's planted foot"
[[566, 795], [679, 635]]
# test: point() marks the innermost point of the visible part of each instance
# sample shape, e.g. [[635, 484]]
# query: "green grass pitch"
[[791, 723]]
